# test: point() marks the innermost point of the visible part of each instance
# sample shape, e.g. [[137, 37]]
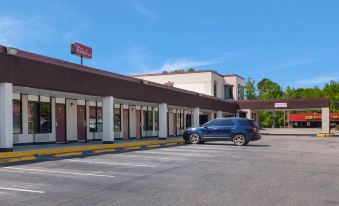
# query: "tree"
[[191, 69], [331, 91], [251, 91], [269, 90]]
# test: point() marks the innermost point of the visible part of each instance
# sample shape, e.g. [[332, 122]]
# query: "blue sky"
[[292, 42]]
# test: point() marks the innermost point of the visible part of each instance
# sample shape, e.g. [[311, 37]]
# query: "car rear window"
[[246, 122]]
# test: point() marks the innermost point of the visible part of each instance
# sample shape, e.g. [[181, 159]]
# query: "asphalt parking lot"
[[277, 170]]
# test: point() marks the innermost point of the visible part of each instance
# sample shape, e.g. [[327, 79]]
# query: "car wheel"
[[194, 138], [247, 142], [239, 140]]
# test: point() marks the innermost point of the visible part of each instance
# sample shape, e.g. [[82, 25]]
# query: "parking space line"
[[55, 171], [189, 150], [110, 163], [21, 190], [169, 153], [153, 157]]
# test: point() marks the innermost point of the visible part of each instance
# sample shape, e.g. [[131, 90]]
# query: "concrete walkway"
[[293, 131], [89, 143]]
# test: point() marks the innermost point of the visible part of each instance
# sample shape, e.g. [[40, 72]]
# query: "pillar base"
[[108, 142], [6, 149]]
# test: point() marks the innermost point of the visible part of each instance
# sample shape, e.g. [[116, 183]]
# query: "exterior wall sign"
[[280, 105], [81, 50]]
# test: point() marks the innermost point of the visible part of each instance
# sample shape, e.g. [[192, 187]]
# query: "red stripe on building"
[[310, 117]]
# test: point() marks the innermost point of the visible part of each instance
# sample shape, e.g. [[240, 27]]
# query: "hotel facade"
[[46, 100]]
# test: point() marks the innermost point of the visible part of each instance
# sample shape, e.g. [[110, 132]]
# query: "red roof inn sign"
[[81, 50]]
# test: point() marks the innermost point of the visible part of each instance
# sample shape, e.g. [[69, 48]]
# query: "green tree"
[[331, 91], [250, 89], [269, 90]]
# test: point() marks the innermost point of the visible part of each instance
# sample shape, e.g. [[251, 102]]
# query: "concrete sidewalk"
[[76, 144], [293, 131], [41, 152]]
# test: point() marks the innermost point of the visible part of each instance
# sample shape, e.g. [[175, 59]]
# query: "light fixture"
[[12, 51]]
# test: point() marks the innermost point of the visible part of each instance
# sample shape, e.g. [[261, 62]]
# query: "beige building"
[[229, 87]]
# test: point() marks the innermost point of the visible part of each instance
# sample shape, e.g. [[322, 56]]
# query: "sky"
[[294, 43]]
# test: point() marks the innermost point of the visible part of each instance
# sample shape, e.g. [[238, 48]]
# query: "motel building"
[[46, 100]]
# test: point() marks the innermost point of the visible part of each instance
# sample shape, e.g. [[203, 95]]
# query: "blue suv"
[[239, 130]]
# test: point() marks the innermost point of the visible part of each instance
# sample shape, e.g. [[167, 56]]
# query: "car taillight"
[[253, 128]]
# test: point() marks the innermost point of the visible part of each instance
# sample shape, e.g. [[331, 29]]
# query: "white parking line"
[[189, 150], [21, 190], [152, 157], [111, 163], [171, 153], [55, 171]]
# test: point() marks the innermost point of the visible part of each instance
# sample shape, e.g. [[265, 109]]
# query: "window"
[[92, 119], [95, 119], [156, 120], [17, 125], [39, 117], [240, 92], [246, 122], [215, 122], [228, 92], [99, 119], [188, 120], [117, 120], [148, 120], [226, 122], [215, 90]]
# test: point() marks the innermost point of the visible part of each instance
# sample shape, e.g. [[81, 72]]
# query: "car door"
[[210, 129], [226, 128]]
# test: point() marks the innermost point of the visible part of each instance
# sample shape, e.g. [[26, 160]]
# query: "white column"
[[325, 120], [6, 117], [219, 114], [196, 117], [108, 120], [163, 121]]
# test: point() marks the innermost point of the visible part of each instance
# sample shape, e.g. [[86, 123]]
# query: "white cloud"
[[8, 34], [291, 64], [17, 32], [184, 63], [317, 80], [144, 11]]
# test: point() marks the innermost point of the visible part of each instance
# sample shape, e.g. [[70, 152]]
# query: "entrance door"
[[125, 122], [60, 123], [81, 123], [138, 123], [174, 124]]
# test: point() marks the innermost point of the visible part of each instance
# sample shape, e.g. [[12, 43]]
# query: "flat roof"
[[36, 71], [186, 72]]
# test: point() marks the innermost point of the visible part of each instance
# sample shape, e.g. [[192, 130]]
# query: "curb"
[[323, 135], [31, 155]]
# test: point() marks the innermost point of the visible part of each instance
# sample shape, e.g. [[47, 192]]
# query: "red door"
[[138, 123], [60, 123], [81, 123], [125, 122], [174, 124]]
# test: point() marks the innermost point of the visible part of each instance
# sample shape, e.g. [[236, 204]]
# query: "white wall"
[[132, 121], [196, 82]]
